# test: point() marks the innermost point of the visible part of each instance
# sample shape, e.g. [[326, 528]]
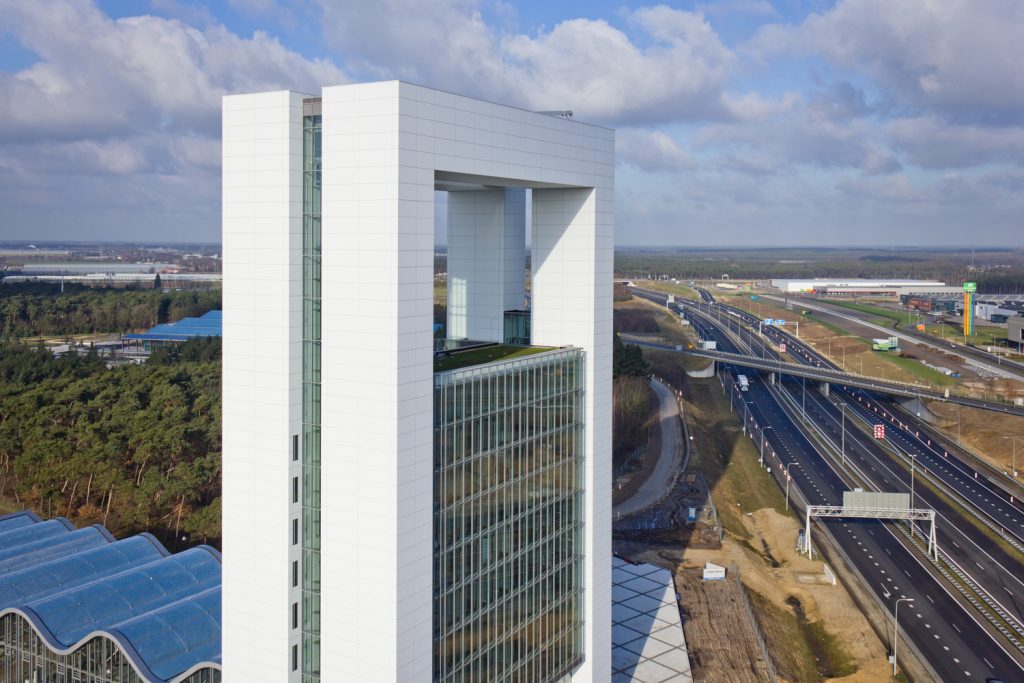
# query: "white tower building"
[[392, 513]]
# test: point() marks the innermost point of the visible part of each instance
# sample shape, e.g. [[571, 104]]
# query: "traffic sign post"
[[880, 431], [782, 347]]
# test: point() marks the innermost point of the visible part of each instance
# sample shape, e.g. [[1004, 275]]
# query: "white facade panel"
[[261, 374], [486, 261], [384, 145]]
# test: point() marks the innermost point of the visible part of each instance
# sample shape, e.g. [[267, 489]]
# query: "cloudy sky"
[[740, 122]]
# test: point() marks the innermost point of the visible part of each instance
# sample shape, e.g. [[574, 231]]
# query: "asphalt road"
[[819, 368], [976, 554], [948, 636], [665, 470]]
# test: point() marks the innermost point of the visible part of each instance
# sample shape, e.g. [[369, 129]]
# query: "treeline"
[[631, 407], [998, 270], [137, 448], [40, 309]]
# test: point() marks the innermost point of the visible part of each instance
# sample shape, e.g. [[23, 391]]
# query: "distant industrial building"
[[936, 305], [109, 279], [847, 286], [79, 605], [208, 325], [998, 310], [1015, 332]]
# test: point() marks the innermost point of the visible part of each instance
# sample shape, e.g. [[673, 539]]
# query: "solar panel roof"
[[71, 585]]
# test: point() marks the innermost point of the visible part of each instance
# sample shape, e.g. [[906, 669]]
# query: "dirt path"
[[770, 567]]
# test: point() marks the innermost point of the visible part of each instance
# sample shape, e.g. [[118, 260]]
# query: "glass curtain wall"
[[24, 656], [508, 519], [311, 255]]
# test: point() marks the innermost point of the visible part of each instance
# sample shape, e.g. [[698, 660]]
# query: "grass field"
[[671, 288], [983, 336], [728, 459], [921, 371], [887, 315]]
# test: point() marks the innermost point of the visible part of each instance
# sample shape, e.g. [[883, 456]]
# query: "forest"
[[40, 309], [136, 447], [995, 270]]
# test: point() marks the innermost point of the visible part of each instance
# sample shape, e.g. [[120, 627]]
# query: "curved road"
[[660, 480]]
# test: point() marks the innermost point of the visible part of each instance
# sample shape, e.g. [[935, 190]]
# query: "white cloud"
[[585, 65], [126, 106], [103, 77], [960, 58], [651, 150], [801, 135], [932, 143]]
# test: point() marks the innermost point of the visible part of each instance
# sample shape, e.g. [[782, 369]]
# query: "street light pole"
[[787, 480], [1013, 452], [896, 630], [763, 429], [842, 448], [958, 424], [803, 404]]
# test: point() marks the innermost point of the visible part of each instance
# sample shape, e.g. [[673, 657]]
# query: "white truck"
[[743, 382]]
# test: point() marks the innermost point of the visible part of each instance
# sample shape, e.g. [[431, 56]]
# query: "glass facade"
[[24, 656], [517, 327], [311, 260], [508, 519]]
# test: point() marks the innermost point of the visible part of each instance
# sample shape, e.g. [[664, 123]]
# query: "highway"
[[949, 637], [936, 621], [976, 555], [989, 565], [918, 440]]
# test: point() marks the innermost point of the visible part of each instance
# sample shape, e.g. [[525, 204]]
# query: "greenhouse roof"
[[207, 325], [162, 610]]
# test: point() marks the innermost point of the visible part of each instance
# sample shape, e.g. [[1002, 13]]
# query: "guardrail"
[[905, 389]]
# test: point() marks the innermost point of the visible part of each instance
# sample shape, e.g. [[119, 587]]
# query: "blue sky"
[[739, 122]]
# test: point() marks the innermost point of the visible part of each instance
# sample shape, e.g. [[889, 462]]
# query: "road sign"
[[768, 321], [970, 286], [782, 347], [880, 431]]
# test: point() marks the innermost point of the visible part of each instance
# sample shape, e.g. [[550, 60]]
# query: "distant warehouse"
[[207, 325], [861, 286]]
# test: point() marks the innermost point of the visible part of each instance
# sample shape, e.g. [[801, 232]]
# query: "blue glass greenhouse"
[[78, 605]]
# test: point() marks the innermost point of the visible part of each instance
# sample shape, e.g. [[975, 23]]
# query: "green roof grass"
[[456, 360]]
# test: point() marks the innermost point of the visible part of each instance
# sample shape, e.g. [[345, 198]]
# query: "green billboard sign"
[[970, 286]]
